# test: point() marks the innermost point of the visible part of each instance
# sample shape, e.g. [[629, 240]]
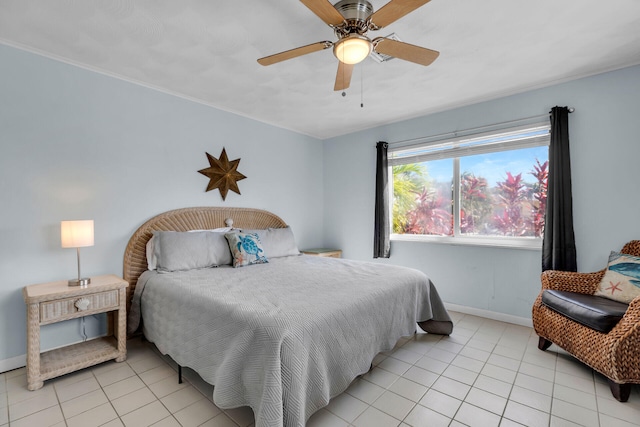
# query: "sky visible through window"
[[492, 166]]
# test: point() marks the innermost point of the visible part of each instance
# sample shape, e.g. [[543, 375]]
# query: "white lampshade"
[[352, 49], [76, 234]]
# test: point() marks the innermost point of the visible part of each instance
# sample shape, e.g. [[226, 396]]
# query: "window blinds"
[[488, 142]]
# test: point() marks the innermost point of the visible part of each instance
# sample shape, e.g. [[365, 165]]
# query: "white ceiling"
[[206, 50]]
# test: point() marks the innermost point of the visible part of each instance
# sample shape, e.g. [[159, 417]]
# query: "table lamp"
[[77, 234]]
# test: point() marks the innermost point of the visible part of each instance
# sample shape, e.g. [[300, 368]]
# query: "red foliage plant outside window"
[[492, 185]]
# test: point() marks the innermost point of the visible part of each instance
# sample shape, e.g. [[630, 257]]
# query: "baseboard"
[[516, 320], [13, 363]]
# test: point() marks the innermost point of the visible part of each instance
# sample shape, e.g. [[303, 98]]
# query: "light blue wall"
[[79, 145], [605, 152], [75, 144]]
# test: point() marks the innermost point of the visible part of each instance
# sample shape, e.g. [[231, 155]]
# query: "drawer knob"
[[82, 304]]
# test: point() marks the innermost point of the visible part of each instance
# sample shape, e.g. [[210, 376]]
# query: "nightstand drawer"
[[57, 310]]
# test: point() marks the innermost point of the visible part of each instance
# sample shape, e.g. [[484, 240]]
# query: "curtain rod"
[[472, 130]]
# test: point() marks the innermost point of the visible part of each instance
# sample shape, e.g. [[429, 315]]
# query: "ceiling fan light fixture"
[[352, 49]]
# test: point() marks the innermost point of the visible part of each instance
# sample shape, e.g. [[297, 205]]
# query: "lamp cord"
[[84, 331]]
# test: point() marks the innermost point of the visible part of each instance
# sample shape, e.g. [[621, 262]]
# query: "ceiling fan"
[[350, 20]]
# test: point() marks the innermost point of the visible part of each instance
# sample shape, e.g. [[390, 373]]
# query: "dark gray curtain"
[[559, 245], [381, 244]]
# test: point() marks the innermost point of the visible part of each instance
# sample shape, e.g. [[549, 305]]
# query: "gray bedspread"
[[287, 336]]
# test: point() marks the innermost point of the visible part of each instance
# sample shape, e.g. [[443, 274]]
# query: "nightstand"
[[331, 253], [55, 302]]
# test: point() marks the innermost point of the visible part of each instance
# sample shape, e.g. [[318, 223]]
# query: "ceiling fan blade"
[[406, 51], [325, 11], [343, 76], [393, 11], [293, 53]]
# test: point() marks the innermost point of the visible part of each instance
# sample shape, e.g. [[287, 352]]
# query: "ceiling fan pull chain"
[[361, 85], [344, 93]]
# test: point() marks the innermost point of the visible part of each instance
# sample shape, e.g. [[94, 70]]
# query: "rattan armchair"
[[616, 354]]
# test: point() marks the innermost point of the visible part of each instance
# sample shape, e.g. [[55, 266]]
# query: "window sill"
[[531, 243]]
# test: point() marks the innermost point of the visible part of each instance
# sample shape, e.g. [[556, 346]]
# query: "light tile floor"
[[487, 373]]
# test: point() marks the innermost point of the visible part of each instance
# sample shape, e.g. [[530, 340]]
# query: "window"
[[486, 188]]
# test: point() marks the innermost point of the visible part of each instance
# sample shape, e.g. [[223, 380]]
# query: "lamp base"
[[80, 282]]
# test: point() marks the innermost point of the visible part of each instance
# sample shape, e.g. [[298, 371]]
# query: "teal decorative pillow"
[[621, 281], [246, 249]]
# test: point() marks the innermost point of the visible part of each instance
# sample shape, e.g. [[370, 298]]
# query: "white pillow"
[[152, 260], [215, 230], [277, 242]]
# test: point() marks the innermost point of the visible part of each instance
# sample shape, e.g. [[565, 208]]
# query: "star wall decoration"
[[223, 174]]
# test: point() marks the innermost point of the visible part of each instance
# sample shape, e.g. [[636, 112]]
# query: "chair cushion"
[[598, 313]]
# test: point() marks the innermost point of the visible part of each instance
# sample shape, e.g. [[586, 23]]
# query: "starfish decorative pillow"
[[621, 281]]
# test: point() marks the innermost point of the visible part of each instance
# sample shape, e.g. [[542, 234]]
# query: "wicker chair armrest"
[[584, 283], [626, 341], [632, 315]]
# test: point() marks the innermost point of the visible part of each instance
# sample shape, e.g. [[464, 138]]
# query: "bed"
[[283, 336]]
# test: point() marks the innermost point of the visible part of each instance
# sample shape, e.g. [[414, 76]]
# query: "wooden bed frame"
[[197, 218]]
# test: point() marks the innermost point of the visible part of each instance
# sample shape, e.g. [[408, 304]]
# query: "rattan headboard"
[[200, 218]]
